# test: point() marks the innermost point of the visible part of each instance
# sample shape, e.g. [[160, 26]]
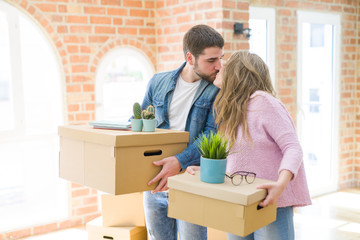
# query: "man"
[[183, 100]]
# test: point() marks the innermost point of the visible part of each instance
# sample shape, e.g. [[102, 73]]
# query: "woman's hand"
[[191, 169], [275, 189]]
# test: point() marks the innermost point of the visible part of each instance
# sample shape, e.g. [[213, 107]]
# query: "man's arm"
[[190, 156]]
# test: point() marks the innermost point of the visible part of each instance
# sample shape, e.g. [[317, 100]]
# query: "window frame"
[[269, 15], [335, 20]]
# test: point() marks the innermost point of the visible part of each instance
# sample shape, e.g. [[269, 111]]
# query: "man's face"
[[208, 64]]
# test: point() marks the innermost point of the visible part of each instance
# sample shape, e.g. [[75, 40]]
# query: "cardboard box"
[[116, 161], [214, 234], [97, 232], [223, 206], [123, 210]]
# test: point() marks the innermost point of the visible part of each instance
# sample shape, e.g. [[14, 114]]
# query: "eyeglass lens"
[[237, 179], [250, 178]]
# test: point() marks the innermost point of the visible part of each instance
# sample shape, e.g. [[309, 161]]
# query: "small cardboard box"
[[115, 161], [123, 210], [225, 207], [97, 232], [214, 234]]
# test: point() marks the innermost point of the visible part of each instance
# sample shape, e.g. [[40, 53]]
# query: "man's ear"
[[190, 58]]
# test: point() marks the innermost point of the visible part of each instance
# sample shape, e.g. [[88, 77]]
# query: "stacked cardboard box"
[[122, 218], [116, 161], [120, 163]]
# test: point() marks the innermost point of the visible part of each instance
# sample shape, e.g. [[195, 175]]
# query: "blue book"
[[111, 124]]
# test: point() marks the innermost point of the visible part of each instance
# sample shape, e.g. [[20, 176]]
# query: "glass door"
[[318, 51]]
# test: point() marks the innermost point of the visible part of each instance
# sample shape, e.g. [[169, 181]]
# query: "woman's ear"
[[190, 58]]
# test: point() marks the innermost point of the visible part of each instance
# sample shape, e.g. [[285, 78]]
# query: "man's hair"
[[200, 37]]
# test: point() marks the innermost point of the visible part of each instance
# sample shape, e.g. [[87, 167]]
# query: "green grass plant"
[[213, 146]]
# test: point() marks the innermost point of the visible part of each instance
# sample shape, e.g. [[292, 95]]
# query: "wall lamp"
[[239, 29]]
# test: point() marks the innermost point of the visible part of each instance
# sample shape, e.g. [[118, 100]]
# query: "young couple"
[[246, 111]]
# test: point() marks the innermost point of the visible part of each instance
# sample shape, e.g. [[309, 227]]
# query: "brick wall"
[[84, 31]]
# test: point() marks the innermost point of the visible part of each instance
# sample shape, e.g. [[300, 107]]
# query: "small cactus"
[[149, 113], [151, 109], [137, 111]]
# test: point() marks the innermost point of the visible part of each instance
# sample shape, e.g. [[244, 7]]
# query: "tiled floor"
[[334, 216]]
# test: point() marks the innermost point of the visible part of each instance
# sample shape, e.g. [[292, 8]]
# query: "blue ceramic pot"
[[136, 125], [149, 125], [212, 170]]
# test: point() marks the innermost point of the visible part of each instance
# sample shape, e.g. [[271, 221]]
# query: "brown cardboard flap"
[[245, 194], [123, 138]]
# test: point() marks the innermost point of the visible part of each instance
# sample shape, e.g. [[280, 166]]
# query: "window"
[[318, 74], [262, 39], [31, 109], [120, 81]]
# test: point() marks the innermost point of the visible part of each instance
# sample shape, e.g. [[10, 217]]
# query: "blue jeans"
[[161, 227], [281, 229]]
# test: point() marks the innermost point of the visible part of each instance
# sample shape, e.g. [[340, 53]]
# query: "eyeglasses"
[[237, 177]]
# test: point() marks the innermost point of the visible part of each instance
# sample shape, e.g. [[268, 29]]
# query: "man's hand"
[[170, 167]]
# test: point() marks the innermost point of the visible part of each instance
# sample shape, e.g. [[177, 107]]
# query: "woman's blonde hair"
[[243, 74]]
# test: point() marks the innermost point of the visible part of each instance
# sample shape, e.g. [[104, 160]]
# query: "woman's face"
[[218, 80]]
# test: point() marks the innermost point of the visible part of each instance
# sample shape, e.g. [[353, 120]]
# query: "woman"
[[264, 140]]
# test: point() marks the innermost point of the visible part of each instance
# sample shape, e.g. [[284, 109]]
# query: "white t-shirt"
[[181, 103]]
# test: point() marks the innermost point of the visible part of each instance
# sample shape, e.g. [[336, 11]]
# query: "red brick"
[[284, 12], [62, 29], [90, 107], [102, 30], [45, 228], [147, 31], [70, 223], [127, 31], [77, 19], [179, 10], [79, 68], [134, 22], [73, 107], [74, 39], [241, 16], [94, 10], [90, 200], [117, 11], [47, 7], [62, 8], [117, 21], [86, 210], [100, 20], [85, 49], [132, 3], [18, 234], [80, 29], [98, 39], [139, 13], [111, 2], [73, 88], [88, 87], [79, 59], [229, 4]]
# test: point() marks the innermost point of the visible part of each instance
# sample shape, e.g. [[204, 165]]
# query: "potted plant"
[[214, 150], [148, 116], [136, 122]]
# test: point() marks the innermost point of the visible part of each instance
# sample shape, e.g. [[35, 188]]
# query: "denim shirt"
[[200, 118]]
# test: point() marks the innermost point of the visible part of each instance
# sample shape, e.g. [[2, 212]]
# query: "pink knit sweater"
[[275, 147]]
